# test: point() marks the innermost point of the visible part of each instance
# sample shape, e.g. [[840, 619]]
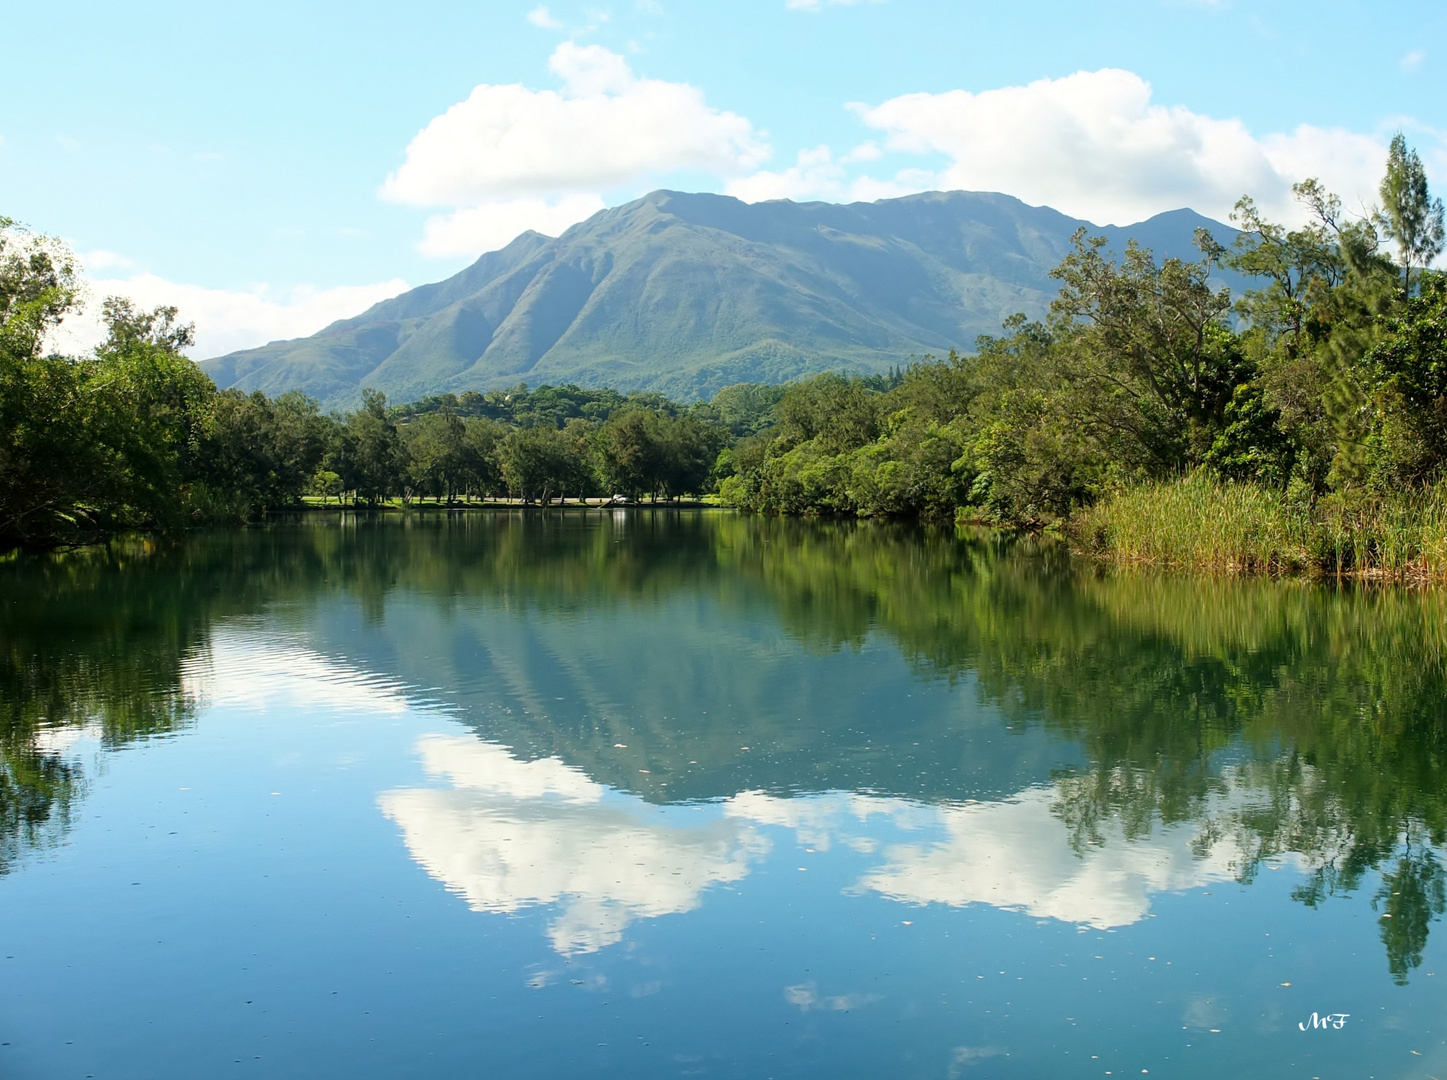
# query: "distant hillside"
[[687, 293]]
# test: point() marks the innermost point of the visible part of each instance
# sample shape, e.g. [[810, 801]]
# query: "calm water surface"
[[637, 794]]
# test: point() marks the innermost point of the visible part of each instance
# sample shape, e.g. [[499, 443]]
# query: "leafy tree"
[[479, 454], [368, 453], [630, 453], [1148, 347], [262, 453], [744, 408], [154, 403], [1410, 370], [435, 448], [45, 460], [690, 447], [99, 443], [1409, 215], [538, 462]]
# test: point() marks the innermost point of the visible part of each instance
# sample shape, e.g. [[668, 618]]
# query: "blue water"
[[431, 830]]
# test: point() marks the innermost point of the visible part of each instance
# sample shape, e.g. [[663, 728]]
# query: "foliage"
[[93, 444], [1409, 215], [1309, 417], [1313, 405], [134, 436]]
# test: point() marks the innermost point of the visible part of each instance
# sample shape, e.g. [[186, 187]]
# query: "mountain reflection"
[[1063, 742]]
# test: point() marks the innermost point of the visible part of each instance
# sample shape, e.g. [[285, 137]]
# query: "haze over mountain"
[[686, 293]]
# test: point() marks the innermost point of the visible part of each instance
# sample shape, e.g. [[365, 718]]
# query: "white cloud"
[[106, 260], [514, 154], [493, 225], [605, 128], [815, 175], [816, 5], [865, 151], [226, 319], [1094, 145], [1412, 60], [543, 19], [1348, 163]]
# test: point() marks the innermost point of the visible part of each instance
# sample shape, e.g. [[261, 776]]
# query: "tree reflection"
[[96, 642], [1283, 717], [1275, 719]]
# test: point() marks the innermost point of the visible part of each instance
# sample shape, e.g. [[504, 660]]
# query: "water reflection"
[[509, 835], [1066, 743]]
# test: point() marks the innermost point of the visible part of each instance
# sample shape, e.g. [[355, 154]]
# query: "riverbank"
[[1203, 524], [318, 503]]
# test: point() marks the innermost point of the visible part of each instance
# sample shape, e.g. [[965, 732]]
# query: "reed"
[[1201, 523]]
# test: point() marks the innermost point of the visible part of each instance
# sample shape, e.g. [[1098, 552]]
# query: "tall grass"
[[1201, 523]]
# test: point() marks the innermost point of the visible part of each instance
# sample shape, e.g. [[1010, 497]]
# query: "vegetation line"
[[1301, 428]]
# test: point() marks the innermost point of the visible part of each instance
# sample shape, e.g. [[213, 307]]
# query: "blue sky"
[[272, 166]]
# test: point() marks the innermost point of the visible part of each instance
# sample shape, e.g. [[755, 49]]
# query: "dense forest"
[[1152, 416]]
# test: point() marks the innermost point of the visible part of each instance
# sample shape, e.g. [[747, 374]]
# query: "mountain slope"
[[686, 293]]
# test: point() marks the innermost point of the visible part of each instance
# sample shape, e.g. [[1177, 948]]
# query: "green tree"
[[45, 463], [1409, 214], [435, 447], [368, 454], [630, 453], [479, 452], [539, 462], [1149, 351], [259, 453], [149, 408], [1409, 368]]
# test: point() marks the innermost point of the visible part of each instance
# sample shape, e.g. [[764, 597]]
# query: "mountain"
[[685, 293]]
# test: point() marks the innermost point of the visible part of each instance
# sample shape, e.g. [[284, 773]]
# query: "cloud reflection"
[[1014, 854], [1017, 854], [509, 835]]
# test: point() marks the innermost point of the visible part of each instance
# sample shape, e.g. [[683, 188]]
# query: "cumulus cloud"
[[818, 174], [817, 5], [1096, 146], [815, 175], [493, 225], [226, 319], [516, 155], [543, 19], [1093, 144]]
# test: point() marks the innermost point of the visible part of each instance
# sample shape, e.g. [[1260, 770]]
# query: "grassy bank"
[[1201, 523]]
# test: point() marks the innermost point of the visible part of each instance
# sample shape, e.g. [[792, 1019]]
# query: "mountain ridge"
[[684, 293]]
